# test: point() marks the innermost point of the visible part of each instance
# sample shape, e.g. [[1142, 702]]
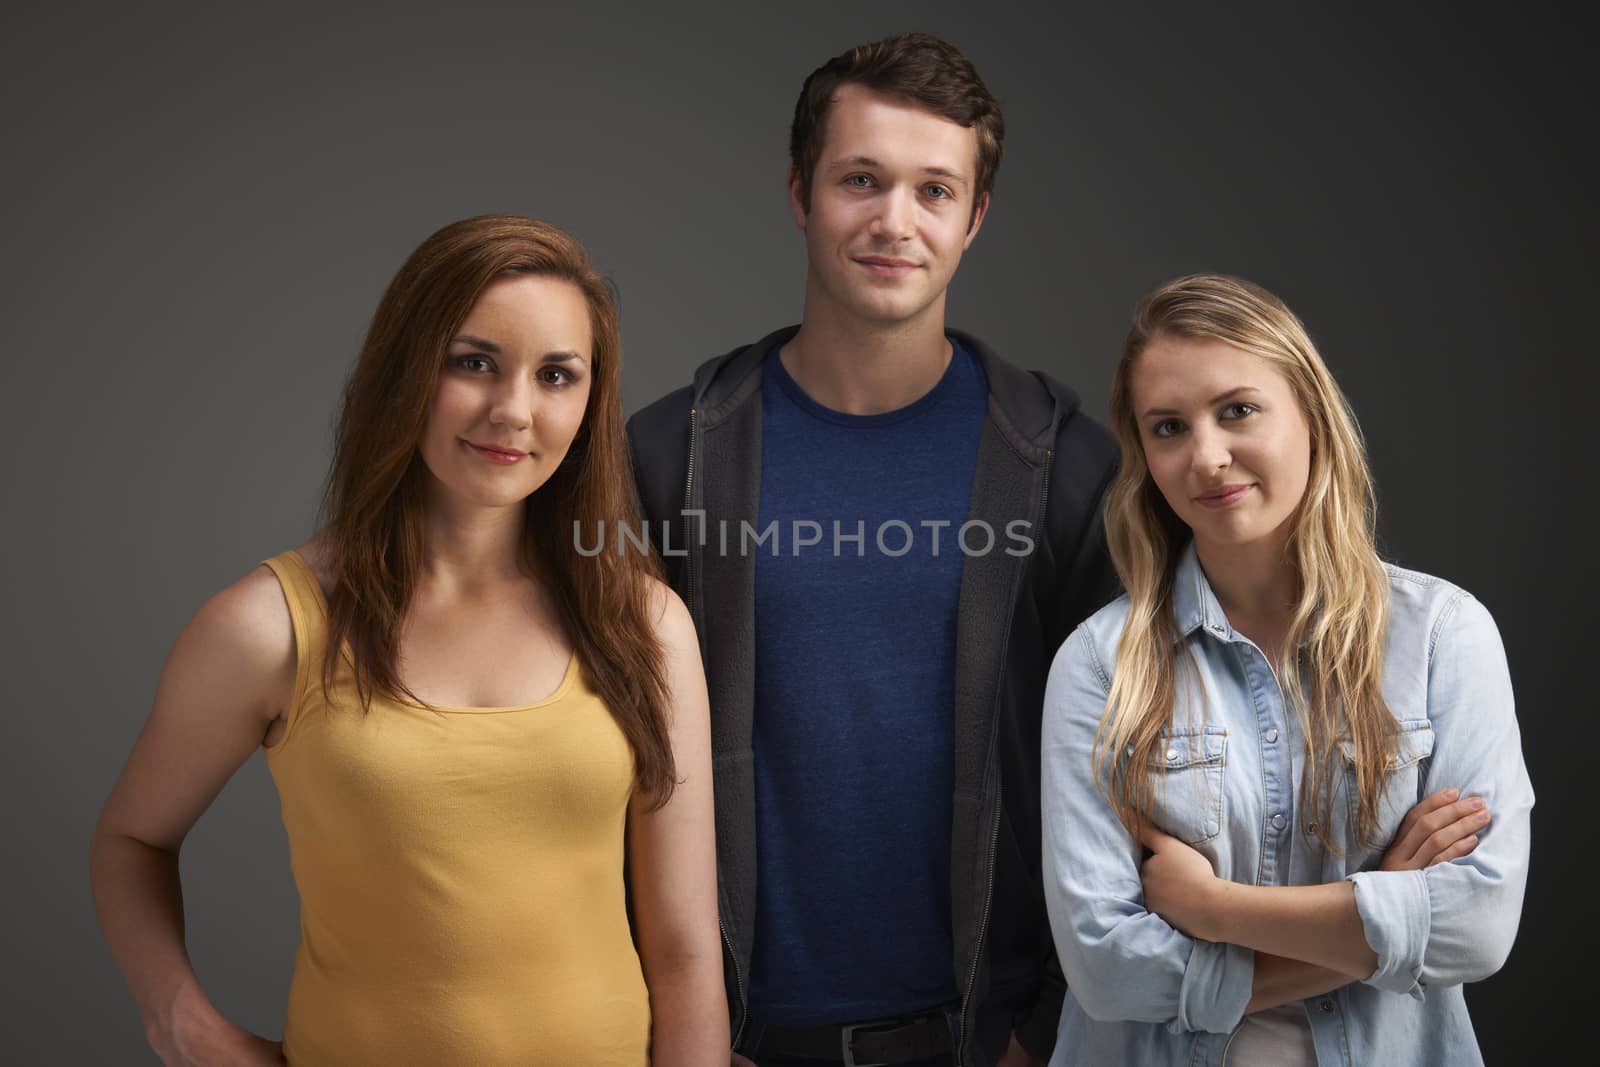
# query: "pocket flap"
[[1189, 747], [1413, 743]]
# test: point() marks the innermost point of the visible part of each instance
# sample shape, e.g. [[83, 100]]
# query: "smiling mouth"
[[885, 265], [498, 455], [1224, 497]]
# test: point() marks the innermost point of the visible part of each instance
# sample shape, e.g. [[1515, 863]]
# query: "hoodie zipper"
[[688, 504], [690, 600], [994, 835]]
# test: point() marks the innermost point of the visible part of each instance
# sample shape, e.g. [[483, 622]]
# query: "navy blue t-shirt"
[[857, 589]]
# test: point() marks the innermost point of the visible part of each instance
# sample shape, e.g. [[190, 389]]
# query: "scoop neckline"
[[568, 676]]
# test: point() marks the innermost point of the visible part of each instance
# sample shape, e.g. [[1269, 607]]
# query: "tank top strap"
[[308, 613]]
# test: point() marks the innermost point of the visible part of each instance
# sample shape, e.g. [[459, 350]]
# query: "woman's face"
[[512, 391], [1225, 440]]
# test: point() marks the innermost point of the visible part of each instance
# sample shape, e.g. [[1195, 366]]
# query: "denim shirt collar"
[[1194, 605]]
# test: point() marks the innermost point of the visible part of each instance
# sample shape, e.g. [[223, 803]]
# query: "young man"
[[883, 532]]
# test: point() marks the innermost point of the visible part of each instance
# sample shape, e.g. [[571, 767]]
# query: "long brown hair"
[[1335, 638], [375, 497]]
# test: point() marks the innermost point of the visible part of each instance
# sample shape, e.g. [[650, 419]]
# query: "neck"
[[468, 546], [1257, 587], [864, 367]]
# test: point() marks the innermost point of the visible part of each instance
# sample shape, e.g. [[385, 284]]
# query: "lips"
[[1223, 496], [886, 265], [497, 454]]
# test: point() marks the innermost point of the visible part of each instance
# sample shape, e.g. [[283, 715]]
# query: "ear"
[[978, 214], [797, 197]]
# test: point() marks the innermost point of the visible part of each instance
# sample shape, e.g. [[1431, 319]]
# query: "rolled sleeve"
[[1395, 915], [1121, 961], [1216, 988], [1455, 922]]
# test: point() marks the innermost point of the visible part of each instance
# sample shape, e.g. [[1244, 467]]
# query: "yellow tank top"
[[460, 873]]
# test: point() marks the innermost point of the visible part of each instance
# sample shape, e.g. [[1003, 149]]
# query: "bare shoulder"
[[674, 626], [249, 619], [241, 641], [225, 683]]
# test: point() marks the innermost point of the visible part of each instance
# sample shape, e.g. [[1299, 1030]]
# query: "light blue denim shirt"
[[1140, 992]]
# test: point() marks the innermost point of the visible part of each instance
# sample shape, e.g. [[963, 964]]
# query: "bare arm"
[[673, 862], [1280, 980], [1314, 923], [226, 680]]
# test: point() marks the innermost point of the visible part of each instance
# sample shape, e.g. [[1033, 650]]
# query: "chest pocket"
[[1186, 782], [1402, 788]]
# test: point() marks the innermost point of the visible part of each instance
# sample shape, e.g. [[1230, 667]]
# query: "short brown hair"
[[917, 66]]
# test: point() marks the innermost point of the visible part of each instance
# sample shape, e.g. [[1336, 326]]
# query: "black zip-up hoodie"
[[697, 460]]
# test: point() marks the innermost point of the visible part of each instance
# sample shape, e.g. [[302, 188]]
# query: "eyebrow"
[[476, 342], [1219, 398], [562, 356], [867, 161]]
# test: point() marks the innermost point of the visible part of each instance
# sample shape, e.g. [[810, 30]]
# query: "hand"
[[1178, 882], [196, 1035], [1440, 828], [740, 1061], [1017, 1056]]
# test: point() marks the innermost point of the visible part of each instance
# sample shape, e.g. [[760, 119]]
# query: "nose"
[[511, 403], [1210, 451], [897, 213]]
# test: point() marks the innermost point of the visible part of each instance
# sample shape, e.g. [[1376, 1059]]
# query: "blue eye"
[[936, 192], [859, 181]]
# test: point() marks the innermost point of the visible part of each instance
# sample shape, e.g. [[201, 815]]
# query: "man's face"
[[892, 208]]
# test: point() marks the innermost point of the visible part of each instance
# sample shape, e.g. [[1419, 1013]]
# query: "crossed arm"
[[1434, 914], [1307, 939]]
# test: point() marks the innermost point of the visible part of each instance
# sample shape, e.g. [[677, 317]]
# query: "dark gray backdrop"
[[203, 206]]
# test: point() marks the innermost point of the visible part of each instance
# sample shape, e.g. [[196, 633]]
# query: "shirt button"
[[1278, 821], [1172, 755], [1272, 735], [1218, 629], [1326, 1006]]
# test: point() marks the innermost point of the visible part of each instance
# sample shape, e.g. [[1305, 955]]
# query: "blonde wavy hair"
[[1334, 646]]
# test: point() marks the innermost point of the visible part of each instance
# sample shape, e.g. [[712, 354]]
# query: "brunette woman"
[[1254, 849], [470, 723]]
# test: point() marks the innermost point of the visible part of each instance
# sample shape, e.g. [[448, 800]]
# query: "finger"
[[1440, 823], [1411, 842], [1456, 851], [1428, 804], [1152, 838], [1438, 842]]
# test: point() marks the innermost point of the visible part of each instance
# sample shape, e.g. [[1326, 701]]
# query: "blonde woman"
[[1254, 847]]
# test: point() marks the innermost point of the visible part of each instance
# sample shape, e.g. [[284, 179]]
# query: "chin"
[[889, 312], [1224, 533], [479, 494]]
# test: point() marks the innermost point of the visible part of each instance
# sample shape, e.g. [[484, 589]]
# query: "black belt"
[[879, 1042]]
